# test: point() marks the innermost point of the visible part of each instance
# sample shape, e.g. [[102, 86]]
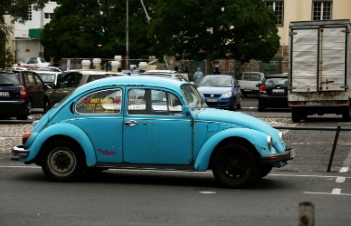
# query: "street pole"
[[127, 36]]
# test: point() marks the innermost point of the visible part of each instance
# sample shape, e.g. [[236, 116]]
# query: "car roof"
[[157, 81], [284, 75], [219, 75]]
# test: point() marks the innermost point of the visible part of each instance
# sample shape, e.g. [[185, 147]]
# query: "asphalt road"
[[120, 197]]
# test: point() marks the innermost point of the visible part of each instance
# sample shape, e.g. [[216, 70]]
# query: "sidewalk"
[[11, 134]]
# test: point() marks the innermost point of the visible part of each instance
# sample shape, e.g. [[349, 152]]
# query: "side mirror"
[[185, 110]]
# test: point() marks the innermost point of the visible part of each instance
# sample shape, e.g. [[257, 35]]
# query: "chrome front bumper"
[[289, 154], [20, 151]]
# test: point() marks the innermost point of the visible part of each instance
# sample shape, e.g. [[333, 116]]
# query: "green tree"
[[96, 28], [198, 30]]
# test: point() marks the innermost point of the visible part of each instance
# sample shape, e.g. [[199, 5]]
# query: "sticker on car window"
[[102, 102]]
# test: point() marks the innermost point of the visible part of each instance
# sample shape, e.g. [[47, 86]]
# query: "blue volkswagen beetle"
[[220, 91], [150, 122]]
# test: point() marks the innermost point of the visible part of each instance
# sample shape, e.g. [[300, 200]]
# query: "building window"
[[278, 8], [29, 12], [322, 11], [49, 15]]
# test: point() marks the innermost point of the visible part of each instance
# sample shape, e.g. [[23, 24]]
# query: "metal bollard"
[[306, 214]]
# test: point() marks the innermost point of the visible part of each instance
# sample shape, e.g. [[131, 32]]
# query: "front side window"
[[71, 80], [29, 78], [96, 77], [278, 8], [193, 97], [102, 102], [153, 102], [322, 10]]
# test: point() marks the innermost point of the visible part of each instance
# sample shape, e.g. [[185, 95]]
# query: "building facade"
[[303, 10], [26, 36]]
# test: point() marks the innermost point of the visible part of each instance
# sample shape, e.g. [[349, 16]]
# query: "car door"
[[154, 129], [100, 117], [35, 88], [66, 85]]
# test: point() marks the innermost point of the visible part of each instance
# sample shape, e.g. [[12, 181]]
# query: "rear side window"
[[96, 77], [102, 102], [8, 79]]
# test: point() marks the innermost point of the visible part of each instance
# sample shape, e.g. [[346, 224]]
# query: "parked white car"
[[34, 62]]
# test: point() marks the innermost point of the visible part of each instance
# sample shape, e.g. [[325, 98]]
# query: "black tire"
[[264, 170], [62, 161], [46, 106], [28, 111], [346, 115], [261, 106], [234, 166], [231, 107], [295, 115], [238, 106]]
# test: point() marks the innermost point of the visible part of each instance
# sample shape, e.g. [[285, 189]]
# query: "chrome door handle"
[[131, 123]]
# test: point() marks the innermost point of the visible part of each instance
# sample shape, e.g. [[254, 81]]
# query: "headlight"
[[228, 94], [269, 142]]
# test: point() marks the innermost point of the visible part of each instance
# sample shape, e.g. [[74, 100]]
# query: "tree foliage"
[[95, 28], [197, 29], [18, 9]]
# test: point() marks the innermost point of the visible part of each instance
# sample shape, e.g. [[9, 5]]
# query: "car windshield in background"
[[96, 77], [193, 97], [47, 77], [216, 81], [8, 79], [276, 81]]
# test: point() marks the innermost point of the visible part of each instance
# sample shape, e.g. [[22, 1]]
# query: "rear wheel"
[[62, 161], [346, 115], [234, 166], [295, 115], [238, 106], [28, 111]]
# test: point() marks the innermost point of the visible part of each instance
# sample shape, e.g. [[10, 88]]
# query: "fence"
[[337, 129], [230, 67]]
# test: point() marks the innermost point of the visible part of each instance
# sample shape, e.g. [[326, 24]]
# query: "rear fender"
[[62, 129], [256, 138]]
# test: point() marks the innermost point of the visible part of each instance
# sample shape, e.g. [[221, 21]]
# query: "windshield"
[[193, 97], [8, 79], [47, 77], [277, 81], [217, 81]]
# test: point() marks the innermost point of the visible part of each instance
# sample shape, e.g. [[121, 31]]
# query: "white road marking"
[[207, 192], [325, 193], [344, 169], [340, 179], [336, 191]]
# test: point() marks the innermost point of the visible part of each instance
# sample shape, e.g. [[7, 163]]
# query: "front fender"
[[256, 138], [63, 129]]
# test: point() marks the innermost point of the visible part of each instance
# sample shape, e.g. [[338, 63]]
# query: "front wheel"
[[46, 106], [263, 170], [295, 115], [62, 161], [234, 166]]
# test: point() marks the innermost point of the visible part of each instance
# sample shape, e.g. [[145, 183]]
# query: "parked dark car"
[[220, 91], [48, 77], [34, 85], [273, 92], [68, 81], [13, 97]]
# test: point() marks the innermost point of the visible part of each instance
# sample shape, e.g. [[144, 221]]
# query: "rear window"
[[8, 79], [96, 77]]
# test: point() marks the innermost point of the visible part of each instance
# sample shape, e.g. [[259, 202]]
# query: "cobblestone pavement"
[[11, 134]]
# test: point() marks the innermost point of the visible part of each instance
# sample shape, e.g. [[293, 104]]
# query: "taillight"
[[23, 94], [262, 89], [26, 137]]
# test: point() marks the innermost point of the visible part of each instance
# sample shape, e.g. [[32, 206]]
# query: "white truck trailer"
[[319, 73]]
